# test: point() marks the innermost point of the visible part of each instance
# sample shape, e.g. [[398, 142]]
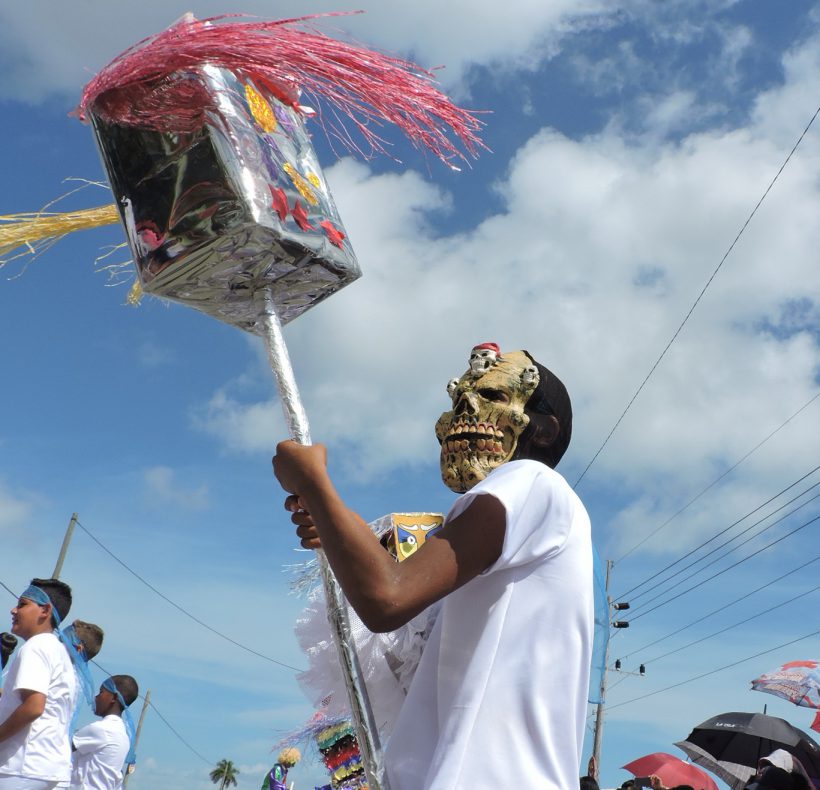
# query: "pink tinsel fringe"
[[361, 85]]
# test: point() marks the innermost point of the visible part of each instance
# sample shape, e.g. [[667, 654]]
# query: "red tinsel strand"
[[362, 86]]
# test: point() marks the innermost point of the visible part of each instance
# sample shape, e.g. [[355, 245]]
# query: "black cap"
[[551, 397]]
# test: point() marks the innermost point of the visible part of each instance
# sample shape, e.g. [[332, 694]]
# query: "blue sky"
[[631, 141]]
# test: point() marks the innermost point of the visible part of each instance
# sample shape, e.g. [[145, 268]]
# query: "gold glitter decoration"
[[304, 188], [260, 109], [314, 179], [135, 293]]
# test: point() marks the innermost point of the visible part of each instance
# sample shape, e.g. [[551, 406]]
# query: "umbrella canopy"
[[672, 771], [796, 681], [730, 745]]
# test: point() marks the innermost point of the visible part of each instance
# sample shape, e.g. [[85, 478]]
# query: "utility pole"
[[64, 548], [145, 705], [599, 713], [612, 624]]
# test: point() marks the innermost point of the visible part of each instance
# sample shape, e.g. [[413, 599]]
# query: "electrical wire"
[[723, 556], [713, 671], [697, 300], [731, 627], [11, 592], [173, 730], [730, 567], [717, 480], [735, 548], [705, 543], [721, 608], [181, 609], [162, 718]]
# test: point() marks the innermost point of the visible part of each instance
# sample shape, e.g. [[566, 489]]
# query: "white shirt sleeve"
[[34, 673], [90, 738], [540, 508]]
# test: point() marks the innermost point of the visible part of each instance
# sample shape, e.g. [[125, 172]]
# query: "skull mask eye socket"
[[494, 395]]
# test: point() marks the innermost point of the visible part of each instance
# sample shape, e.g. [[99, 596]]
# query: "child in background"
[[86, 640], [39, 694], [278, 775], [101, 748], [89, 638]]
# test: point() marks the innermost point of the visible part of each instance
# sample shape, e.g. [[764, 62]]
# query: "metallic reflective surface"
[[298, 428], [216, 215]]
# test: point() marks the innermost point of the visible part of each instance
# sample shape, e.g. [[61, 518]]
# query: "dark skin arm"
[[384, 593], [30, 709]]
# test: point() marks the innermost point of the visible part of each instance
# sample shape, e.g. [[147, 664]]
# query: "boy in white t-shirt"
[[507, 661], [101, 748], [39, 693]]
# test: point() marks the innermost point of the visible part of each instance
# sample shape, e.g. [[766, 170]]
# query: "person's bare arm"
[[384, 593], [31, 708]]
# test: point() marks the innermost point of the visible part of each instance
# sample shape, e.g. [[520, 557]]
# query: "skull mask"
[[482, 430]]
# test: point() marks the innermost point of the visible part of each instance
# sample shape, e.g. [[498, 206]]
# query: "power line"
[[168, 725], [721, 608], [755, 616], [727, 542], [714, 671], [162, 718], [717, 535], [717, 480], [699, 297], [181, 609], [11, 592], [730, 567]]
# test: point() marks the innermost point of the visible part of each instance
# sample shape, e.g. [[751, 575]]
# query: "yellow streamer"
[[37, 230]]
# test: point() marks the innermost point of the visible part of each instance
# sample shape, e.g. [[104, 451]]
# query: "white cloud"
[[240, 427], [154, 355], [162, 487], [48, 49], [562, 270], [15, 509]]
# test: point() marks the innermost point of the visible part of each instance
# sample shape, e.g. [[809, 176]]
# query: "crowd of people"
[[780, 770], [43, 683]]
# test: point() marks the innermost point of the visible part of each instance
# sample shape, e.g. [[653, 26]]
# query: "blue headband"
[[40, 597], [131, 759], [69, 638]]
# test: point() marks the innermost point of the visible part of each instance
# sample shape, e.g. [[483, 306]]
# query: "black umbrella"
[[729, 745]]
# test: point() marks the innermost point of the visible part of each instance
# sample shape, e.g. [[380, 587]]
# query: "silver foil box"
[[203, 210]]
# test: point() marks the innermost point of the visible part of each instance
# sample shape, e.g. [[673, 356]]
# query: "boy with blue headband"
[[39, 693], [105, 747]]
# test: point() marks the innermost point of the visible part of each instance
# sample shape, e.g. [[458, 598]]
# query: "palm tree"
[[225, 772]]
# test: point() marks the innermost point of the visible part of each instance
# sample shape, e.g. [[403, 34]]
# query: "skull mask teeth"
[[481, 431]]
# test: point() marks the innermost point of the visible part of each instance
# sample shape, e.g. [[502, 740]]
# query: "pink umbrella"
[[672, 771], [796, 681]]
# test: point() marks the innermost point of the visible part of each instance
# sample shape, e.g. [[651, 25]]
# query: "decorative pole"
[[299, 430]]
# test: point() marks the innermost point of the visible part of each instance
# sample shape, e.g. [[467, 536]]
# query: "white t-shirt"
[[499, 698], [41, 750], [101, 747]]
